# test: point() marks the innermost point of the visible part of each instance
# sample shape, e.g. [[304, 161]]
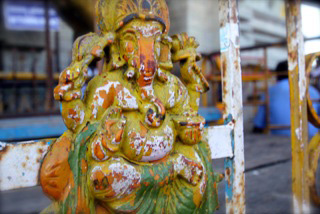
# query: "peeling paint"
[[299, 121], [20, 164], [232, 98], [140, 133]]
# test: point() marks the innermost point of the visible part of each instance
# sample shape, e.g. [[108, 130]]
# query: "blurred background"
[[35, 46]]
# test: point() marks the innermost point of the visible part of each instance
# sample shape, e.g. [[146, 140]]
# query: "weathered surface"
[[135, 139], [314, 145], [20, 163], [220, 141], [265, 194], [314, 157], [232, 98], [298, 107], [313, 116]]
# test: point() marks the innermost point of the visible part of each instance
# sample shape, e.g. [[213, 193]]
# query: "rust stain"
[[40, 151]]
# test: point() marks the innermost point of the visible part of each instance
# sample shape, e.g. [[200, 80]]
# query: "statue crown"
[[113, 14]]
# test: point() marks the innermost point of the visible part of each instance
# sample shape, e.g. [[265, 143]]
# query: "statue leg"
[[118, 179]]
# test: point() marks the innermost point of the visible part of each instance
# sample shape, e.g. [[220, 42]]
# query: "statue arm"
[[189, 124], [184, 51], [86, 49]]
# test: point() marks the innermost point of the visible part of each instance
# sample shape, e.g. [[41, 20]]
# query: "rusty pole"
[[298, 103], [232, 97], [266, 88], [49, 80]]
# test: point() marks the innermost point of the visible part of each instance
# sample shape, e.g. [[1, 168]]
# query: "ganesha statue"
[[135, 141]]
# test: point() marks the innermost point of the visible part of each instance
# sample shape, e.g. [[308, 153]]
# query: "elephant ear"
[[114, 58], [165, 61], [91, 46]]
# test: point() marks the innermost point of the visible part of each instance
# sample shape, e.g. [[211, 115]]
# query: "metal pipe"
[[34, 82], [266, 88], [57, 51], [267, 45], [298, 107], [232, 97], [49, 94]]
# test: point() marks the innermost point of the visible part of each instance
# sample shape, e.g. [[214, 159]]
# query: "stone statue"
[[135, 140]]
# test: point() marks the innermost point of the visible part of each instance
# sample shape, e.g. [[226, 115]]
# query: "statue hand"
[[188, 169], [110, 134], [184, 50], [70, 82], [86, 49], [190, 130]]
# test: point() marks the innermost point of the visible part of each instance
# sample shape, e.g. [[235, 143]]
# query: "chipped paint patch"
[[2, 146], [232, 98], [125, 98], [129, 177], [219, 139], [299, 133], [20, 164], [160, 145]]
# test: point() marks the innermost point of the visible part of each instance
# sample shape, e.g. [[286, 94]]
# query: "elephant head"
[[140, 26]]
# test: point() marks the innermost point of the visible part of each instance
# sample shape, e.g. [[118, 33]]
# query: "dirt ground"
[[268, 181]]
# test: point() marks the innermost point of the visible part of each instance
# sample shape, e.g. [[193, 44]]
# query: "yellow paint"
[[146, 116]]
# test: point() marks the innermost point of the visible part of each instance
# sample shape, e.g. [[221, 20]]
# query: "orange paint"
[[98, 151], [157, 177], [98, 177], [108, 99], [143, 130], [108, 125], [96, 50], [84, 166], [119, 135], [55, 170], [147, 59], [82, 206]]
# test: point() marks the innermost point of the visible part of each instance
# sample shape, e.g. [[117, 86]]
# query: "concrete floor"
[[268, 181]]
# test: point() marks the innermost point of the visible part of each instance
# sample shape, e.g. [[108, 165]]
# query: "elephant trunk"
[[147, 71]]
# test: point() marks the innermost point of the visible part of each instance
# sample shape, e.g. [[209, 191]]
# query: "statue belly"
[[158, 145], [147, 144]]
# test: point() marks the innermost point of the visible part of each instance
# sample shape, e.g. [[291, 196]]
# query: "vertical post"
[[14, 78], [49, 82], [57, 51], [266, 88], [232, 97], [298, 103], [204, 97], [34, 81]]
